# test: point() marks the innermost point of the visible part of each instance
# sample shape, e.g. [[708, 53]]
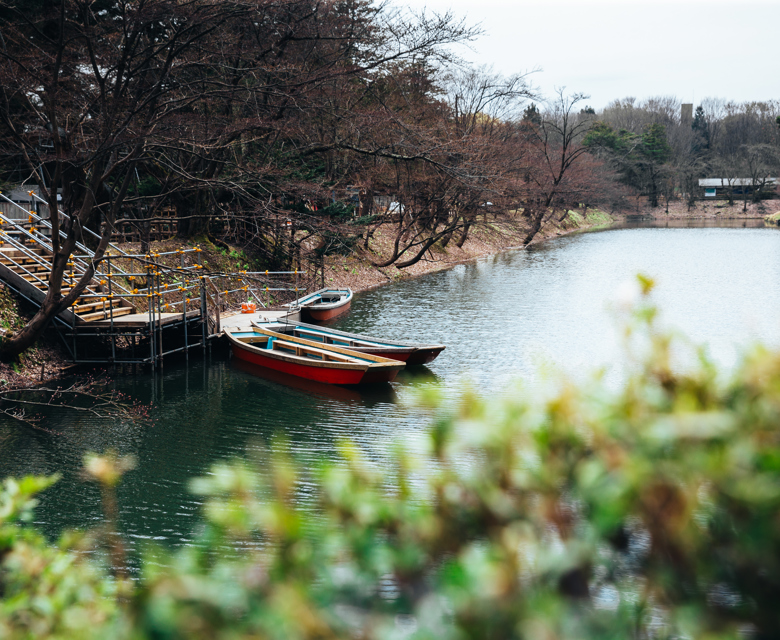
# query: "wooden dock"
[[244, 320], [143, 320]]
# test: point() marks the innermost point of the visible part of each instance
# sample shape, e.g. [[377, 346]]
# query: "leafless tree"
[[556, 148]]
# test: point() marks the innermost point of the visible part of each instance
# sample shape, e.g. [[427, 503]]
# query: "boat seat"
[[305, 350]]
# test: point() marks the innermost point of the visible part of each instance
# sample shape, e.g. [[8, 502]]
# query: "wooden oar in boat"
[[413, 353]]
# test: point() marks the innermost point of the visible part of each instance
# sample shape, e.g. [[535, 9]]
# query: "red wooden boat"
[[412, 353], [367, 395], [323, 305], [308, 359]]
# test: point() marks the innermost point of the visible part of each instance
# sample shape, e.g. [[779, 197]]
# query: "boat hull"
[[320, 374], [323, 305], [368, 394], [424, 355], [312, 314], [310, 360], [400, 354]]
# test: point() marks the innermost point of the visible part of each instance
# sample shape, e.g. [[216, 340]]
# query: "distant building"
[[712, 188], [686, 114]]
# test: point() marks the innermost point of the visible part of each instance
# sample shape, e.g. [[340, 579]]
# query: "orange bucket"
[[248, 307]]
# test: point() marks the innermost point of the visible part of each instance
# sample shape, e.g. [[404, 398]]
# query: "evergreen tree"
[[701, 138], [531, 114]]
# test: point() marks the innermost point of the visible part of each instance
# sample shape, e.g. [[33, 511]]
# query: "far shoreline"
[[482, 247]]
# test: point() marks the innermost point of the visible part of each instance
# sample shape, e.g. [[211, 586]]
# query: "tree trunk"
[[535, 226], [446, 238], [426, 245], [464, 236], [54, 303], [28, 334]]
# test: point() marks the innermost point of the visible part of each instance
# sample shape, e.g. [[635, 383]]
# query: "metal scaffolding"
[[136, 308]]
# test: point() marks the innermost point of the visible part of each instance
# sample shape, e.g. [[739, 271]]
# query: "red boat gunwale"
[[295, 356]]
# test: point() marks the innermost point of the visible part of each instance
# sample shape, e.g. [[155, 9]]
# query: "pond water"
[[501, 318]]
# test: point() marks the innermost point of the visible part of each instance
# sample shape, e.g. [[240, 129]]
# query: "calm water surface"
[[501, 318]]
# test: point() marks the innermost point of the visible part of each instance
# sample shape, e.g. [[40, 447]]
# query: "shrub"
[[650, 511]]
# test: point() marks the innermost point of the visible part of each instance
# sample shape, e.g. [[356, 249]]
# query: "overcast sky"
[[612, 49]]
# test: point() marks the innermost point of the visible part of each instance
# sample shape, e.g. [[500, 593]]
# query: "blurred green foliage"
[[583, 511]]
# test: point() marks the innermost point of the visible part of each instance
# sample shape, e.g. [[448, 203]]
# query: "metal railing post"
[[184, 312], [204, 318], [151, 322], [111, 310], [159, 316], [73, 333]]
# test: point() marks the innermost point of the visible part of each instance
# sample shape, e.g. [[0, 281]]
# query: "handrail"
[[44, 221], [23, 231], [21, 266], [162, 296], [89, 253], [18, 245], [83, 228], [31, 214], [39, 239]]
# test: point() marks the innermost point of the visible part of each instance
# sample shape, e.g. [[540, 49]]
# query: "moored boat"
[[367, 394], [308, 359], [323, 305], [412, 353]]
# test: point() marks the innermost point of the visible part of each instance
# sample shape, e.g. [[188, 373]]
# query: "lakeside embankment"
[[46, 361], [714, 209], [500, 234]]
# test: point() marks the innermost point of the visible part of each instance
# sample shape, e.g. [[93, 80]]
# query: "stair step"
[[103, 315], [97, 304], [66, 289], [43, 280], [35, 248], [43, 275], [21, 261], [32, 279], [32, 268], [38, 272]]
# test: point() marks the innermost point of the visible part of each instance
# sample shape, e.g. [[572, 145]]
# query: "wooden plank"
[[79, 308], [103, 315], [331, 347], [141, 320], [327, 355]]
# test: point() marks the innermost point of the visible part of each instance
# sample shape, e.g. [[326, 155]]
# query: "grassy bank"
[[773, 218], [498, 234]]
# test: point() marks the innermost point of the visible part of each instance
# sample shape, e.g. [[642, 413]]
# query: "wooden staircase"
[[25, 265], [173, 299]]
